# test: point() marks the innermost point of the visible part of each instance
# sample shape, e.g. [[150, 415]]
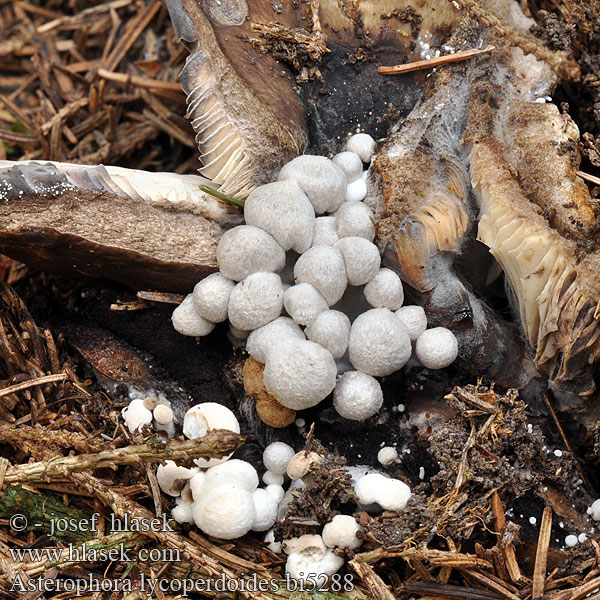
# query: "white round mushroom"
[[283, 210], [357, 396], [379, 344], [236, 472], [303, 303], [361, 258], [300, 374], [256, 301], [136, 415], [247, 249], [594, 510], [323, 267], [196, 484], [226, 512], [362, 144], [385, 290], [356, 191], [276, 457], [387, 455], [414, 319], [275, 491], [311, 559], [331, 329], [205, 417], [188, 321], [350, 163], [163, 419], [270, 478], [389, 494], [436, 348], [182, 511], [342, 532], [270, 542], [325, 233], [265, 509], [265, 339], [321, 180], [172, 478], [211, 297], [355, 219]]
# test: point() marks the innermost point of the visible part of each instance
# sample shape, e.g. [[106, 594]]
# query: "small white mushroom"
[[342, 532], [256, 301], [325, 233], [436, 348], [276, 457], [275, 491], [362, 144], [226, 512], [379, 344], [387, 455], [323, 267], [321, 180], [385, 290], [331, 329], [357, 396], [236, 472], [303, 303], [211, 297], [163, 419], [594, 510], [389, 494], [136, 415], [283, 210], [265, 509], [300, 374], [172, 478], [361, 258], [350, 163], [270, 478], [204, 417], [182, 511], [264, 339], [311, 560], [356, 191], [247, 249], [414, 319], [188, 321], [270, 542], [355, 219], [302, 463]]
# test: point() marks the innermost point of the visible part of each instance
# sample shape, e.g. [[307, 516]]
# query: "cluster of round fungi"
[[294, 274]]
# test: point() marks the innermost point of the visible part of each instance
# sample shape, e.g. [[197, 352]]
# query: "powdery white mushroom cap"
[[247, 249], [310, 561], [196, 484], [390, 494], [321, 180], [414, 319], [303, 303], [323, 267], [235, 472], [211, 297], [385, 290], [283, 210], [270, 542], [350, 163], [362, 144], [379, 344], [361, 258], [355, 219], [357, 396], [265, 509], [300, 374], [182, 511], [136, 415], [226, 512], [270, 478], [265, 338], [276, 492], [436, 348], [325, 233], [341, 532], [331, 329], [204, 417], [188, 321], [172, 478], [387, 455], [277, 456], [356, 191], [256, 301], [594, 510]]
